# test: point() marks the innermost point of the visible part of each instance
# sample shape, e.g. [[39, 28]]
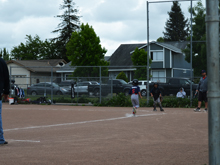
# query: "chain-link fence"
[[90, 84]]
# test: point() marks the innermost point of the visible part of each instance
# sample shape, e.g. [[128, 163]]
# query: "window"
[[157, 56], [184, 82], [158, 76]]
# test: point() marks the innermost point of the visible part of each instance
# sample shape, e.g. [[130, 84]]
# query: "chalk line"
[[30, 141], [81, 122]]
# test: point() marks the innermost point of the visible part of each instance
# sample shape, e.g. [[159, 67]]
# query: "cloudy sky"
[[115, 22]]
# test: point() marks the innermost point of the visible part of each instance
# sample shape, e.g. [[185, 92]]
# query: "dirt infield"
[[66, 135]]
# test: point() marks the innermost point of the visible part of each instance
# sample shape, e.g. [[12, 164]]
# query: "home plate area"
[[56, 134]]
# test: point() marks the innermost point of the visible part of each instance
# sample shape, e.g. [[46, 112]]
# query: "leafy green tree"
[[199, 61], [160, 39], [139, 58], [29, 50], [176, 25], [122, 76], [84, 49], [4, 54], [34, 48], [69, 23]]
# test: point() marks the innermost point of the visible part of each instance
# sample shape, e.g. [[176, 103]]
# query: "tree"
[[160, 39], [199, 61], [4, 54], [122, 76], [33, 49], [176, 25], [69, 24], [84, 49], [139, 58]]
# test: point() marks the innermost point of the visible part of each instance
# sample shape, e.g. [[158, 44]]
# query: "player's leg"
[[136, 100], [200, 98], [206, 102], [133, 103], [160, 105], [155, 105], [2, 140]]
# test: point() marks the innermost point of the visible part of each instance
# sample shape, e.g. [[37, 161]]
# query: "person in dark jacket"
[[4, 91], [156, 94], [202, 89]]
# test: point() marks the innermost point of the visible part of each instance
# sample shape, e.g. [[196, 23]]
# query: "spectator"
[[181, 93]]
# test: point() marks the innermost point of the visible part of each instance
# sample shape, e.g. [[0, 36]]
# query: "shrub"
[[119, 100], [122, 76]]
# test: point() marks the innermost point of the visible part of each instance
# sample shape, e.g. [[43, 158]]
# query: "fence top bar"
[[169, 1], [80, 66]]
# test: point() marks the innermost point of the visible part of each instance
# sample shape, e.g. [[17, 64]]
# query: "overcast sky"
[[115, 21]]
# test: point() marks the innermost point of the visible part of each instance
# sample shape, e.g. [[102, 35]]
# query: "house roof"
[[66, 68], [107, 58], [122, 55], [175, 46], [38, 65]]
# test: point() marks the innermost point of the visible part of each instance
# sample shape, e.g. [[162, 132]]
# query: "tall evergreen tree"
[[176, 25], [4, 54], [69, 23]]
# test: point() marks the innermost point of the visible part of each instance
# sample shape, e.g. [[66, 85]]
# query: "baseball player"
[[156, 94], [134, 92]]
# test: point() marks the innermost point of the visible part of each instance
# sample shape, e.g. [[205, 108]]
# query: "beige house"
[[28, 72]]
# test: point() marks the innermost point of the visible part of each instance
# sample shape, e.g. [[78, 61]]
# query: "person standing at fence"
[[202, 89], [134, 92], [4, 91]]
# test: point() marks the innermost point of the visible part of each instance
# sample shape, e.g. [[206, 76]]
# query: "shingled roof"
[[38, 65], [122, 55]]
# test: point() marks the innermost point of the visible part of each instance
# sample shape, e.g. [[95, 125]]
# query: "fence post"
[[51, 85], [100, 82], [212, 37], [77, 90], [148, 52], [111, 88], [10, 83], [191, 92]]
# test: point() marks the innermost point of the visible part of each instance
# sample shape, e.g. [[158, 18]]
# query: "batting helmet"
[[135, 82]]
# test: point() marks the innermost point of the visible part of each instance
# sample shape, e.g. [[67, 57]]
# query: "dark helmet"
[[156, 84], [135, 82]]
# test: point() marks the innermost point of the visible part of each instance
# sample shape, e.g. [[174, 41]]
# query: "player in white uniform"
[[134, 92]]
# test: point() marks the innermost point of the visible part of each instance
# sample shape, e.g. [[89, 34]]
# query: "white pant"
[[135, 100]]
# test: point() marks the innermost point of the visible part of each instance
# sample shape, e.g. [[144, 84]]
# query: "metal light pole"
[[212, 33], [191, 57], [148, 52]]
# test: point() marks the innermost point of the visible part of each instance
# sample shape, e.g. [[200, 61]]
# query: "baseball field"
[[87, 135]]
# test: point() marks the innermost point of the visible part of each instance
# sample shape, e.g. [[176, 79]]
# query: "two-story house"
[[167, 61]]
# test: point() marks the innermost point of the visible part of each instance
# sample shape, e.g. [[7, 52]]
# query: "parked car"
[[174, 84], [143, 86], [119, 86], [67, 83], [41, 88], [82, 87]]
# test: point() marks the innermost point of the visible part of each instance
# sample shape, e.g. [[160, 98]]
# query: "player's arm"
[[140, 94], [151, 93]]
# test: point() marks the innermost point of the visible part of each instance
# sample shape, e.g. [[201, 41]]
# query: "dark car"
[[41, 88], [115, 86], [66, 83]]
